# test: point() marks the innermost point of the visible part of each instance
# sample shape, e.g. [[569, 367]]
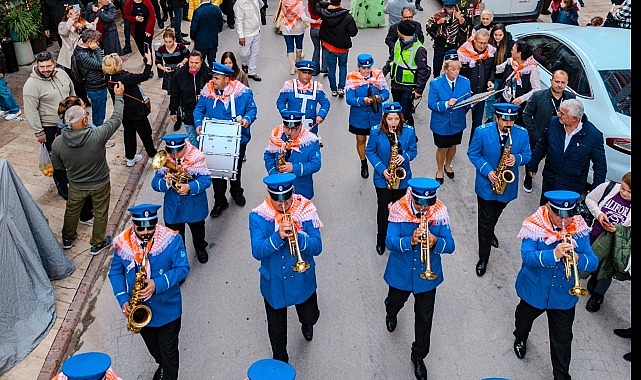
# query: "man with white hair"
[[80, 149]]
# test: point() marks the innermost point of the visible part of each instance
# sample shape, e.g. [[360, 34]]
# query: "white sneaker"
[[87, 222], [2, 113], [133, 161], [12, 116]]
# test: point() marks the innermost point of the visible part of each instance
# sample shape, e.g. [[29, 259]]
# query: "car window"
[[618, 84], [553, 55]]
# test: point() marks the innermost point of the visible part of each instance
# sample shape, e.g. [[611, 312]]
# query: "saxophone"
[[140, 314], [281, 156], [396, 173], [502, 171]]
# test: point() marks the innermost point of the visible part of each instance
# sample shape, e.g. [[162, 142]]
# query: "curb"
[[62, 346]]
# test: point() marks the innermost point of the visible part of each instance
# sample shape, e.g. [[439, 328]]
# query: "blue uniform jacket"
[[447, 121], [188, 208], [485, 152], [305, 163], [245, 107], [541, 281], [168, 267], [279, 284], [378, 150], [404, 262], [288, 101], [361, 115]]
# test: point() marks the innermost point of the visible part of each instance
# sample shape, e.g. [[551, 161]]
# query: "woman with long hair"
[[170, 56], [502, 40], [229, 59], [382, 138]]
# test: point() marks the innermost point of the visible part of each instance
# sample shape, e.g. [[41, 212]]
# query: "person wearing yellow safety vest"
[[408, 69]]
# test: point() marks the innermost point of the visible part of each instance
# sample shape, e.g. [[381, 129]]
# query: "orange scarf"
[[301, 210], [526, 67], [355, 79], [234, 88], [539, 227], [468, 55], [127, 245], [402, 211], [276, 143], [292, 10]]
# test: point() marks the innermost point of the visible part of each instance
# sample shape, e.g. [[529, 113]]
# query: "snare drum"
[[220, 141]]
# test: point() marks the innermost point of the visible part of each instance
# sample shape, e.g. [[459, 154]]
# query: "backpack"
[[75, 70]]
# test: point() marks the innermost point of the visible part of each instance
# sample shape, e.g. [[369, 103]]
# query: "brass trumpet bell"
[[176, 174]]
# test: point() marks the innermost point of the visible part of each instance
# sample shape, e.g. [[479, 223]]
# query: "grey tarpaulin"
[[30, 256]]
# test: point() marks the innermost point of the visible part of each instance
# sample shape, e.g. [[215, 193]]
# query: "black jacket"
[[539, 110], [482, 72], [134, 109], [338, 26], [185, 90], [89, 63]]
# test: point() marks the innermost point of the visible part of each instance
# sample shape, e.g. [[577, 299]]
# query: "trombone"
[[570, 267], [294, 249], [425, 251]]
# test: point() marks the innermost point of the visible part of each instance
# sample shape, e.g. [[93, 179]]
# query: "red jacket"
[[151, 20]]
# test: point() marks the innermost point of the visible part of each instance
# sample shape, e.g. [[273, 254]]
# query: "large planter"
[[39, 44], [24, 52]]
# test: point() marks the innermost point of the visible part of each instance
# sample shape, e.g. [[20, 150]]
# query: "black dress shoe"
[[364, 171], [420, 371], [184, 35], [390, 322], [308, 332], [594, 303], [255, 77], [380, 249], [419, 8], [202, 255], [624, 333], [240, 200], [495, 241], [520, 348], [439, 180], [177, 126], [481, 267], [449, 175], [161, 24], [628, 356], [185, 42], [218, 209], [126, 50]]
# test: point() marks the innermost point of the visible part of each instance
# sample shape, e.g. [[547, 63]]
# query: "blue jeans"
[[316, 55], [127, 32], [291, 40], [176, 22], [98, 105], [332, 59], [7, 101], [193, 136]]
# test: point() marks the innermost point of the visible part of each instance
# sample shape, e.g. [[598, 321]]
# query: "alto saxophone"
[[502, 171], [397, 173], [140, 314], [281, 156]]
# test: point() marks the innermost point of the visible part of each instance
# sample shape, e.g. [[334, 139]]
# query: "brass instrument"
[[570, 268], [375, 102], [140, 314], [294, 250], [502, 171], [281, 156], [397, 173], [176, 174], [427, 274]]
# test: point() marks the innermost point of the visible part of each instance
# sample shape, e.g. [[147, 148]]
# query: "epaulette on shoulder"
[[408, 126], [376, 126], [486, 125], [519, 127]]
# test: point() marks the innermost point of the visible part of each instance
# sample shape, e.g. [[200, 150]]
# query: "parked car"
[[514, 11], [598, 62]]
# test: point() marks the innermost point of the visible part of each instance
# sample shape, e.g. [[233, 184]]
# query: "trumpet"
[[294, 249], [140, 314], [176, 174], [281, 156], [427, 274], [570, 268]]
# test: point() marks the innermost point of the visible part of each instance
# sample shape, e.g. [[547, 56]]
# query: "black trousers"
[[488, 215], [162, 344], [560, 332], [439, 57], [220, 184], [405, 98], [143, 129], [423, 314], [227, 7], [384, 197], [308, 314], [197, 233]]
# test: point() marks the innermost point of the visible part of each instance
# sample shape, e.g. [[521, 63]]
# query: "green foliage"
[[23, 19]]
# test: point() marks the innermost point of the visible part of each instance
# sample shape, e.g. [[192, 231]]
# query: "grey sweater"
[[82, 151]]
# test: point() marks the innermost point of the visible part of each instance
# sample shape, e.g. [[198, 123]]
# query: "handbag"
[[278, 17], [146, 101]]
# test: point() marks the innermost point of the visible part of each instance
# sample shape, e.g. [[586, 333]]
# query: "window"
[[618, 84]]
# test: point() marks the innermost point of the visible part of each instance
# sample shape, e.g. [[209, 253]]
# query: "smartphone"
[[146, 47]]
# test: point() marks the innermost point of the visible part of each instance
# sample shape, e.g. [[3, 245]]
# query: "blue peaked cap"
[[280, 186], [86, 366], [562, 202], [424, 190], [506, 111], [365, 60], [271, 369], [145, 214], [392, 107], [292, 117], [306, 65], [220, 69], [175, 142]]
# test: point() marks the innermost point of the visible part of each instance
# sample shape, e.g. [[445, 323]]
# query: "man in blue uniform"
[[410, 243], [304, 95], [166, 266], [285, 238], [225, 99], [185, 202], [300, 150], [542, 284], [496, 183]]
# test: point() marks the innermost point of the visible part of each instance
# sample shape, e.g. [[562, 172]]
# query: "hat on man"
[[271, 369], [365, 60], [450, 3], [451, 55], [406, 27], [86, 366], [506, 111], [424, 190], [174, 142], [291, 118], [306, 65], [280, 186], [220, 69], [392, 107], [145, 214], [562, 202]]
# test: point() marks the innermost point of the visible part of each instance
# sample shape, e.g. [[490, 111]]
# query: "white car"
[[597, 60], [513, 11]]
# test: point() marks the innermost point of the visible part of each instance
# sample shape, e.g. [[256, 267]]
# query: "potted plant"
[[23, 26]]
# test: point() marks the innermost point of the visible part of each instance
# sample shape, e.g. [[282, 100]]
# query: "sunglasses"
[[292, 127], [142, 229]]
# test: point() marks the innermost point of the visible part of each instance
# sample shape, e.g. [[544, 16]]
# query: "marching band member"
[[185, 202], [494, 167], [225, 99], [299, 150], [166, 266], [541, 284], [87, 366], [287, 268], [392, 130], [366, 90], [305, 95], [414, 263]]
